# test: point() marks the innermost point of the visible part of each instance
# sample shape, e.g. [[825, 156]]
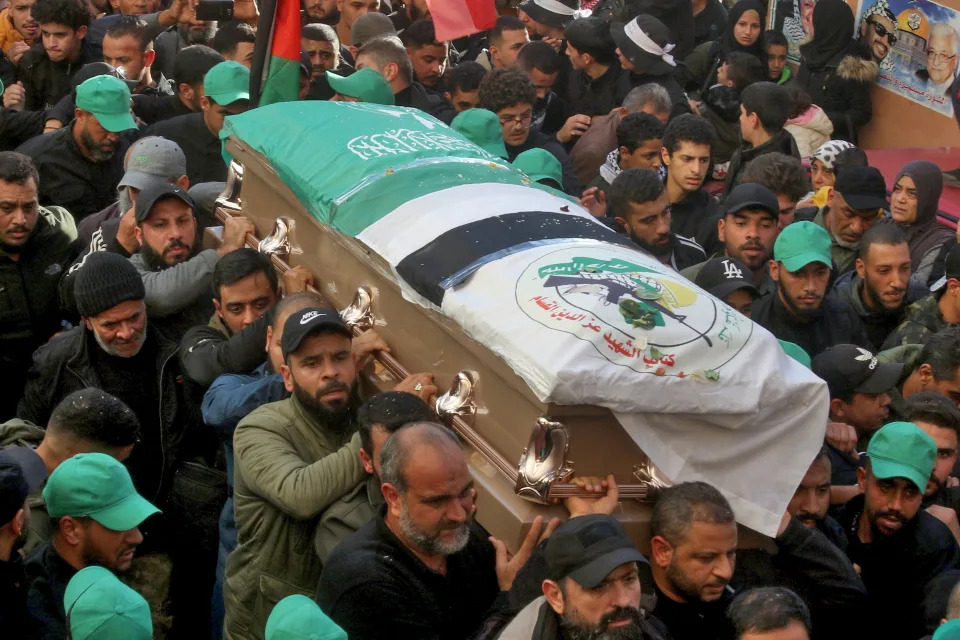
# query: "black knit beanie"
[[104, 281]]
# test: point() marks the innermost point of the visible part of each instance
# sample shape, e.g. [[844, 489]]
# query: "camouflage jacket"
[[909, 356], [921, 320]]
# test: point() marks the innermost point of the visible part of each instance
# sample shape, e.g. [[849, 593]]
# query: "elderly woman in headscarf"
[[744, 29], [913, 205], [836, 70]]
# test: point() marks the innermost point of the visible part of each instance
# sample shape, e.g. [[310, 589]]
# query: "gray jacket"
[[180, 296]]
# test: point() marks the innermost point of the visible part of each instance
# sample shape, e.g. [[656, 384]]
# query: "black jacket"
[[29, 307], [202, 148], [695, 620], [209, 350], [842, 89], [814, 568], [68, 179], [16, 127], [877, 324], [897, 570], [153, 107], [65, 365], [13, 598], [416, 96], [45, 81], [694, 216], [836, 324], [783, 142], [47, 575], [596, 97]]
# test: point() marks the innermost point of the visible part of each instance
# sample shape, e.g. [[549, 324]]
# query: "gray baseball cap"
[[370, 26], [152, 161]]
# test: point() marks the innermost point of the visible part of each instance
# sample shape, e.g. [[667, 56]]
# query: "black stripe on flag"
[[464, 249]]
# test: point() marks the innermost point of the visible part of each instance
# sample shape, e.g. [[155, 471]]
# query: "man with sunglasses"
[[878, 30], [941, 70], [510, 94]]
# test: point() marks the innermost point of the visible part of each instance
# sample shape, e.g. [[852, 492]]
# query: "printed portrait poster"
[[915, 42], [793, 18]]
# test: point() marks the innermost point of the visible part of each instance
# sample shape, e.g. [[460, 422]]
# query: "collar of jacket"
[[780, 142], [216, 323], [165, 348]]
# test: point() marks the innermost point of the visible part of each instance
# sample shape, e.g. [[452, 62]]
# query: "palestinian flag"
[[275, 76], [578, 312], [454, 19]]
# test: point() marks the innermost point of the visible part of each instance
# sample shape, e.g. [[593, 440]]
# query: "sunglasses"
[[883, 33]]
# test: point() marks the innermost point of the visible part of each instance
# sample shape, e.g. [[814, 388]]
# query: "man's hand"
[[556, 43], [843, 438], [508, 566], [235, 231], [52, 125], [246, 11], [296, 279], [947, 516], [365, 344], [419, 384], [606, 490], [574, 126], [15, 97], [694, 106], [125, 236], [595, 201], [17, 49], [179, 11]]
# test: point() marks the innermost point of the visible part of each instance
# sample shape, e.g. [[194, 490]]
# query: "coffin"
[[566, 349]]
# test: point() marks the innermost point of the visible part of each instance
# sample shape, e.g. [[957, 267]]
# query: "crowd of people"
[[189, 449]]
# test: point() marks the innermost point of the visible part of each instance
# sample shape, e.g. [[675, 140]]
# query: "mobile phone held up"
[[219, 10]]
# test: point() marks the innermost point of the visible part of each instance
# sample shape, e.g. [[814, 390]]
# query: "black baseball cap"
[[22, 472], [588, 548], [722, 276], [751, 195], [951, 268], [153, 194], [847, 368], [308, 322], [862, 187]]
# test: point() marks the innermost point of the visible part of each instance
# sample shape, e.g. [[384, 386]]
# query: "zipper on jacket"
[[163, 456]]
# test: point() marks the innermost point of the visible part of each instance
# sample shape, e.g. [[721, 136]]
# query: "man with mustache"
[[422, 564], [940, 419], [592, 587], [639, 208], [811, 501], [800, 311], [748, 230], [855, 204], [878, 30], [177, 276], [80, 165], [36, 248], [98, 514], [879, 289], [293, 459], [899, 547], [430, 59]]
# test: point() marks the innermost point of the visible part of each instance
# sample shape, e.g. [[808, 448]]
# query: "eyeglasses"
[[883, 33], [936, 56], [518, 121]]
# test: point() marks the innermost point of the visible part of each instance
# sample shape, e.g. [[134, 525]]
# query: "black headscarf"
[[727, 42], [832, 33]]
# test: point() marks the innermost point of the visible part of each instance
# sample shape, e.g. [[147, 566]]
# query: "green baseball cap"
[[364, 84], [298, 617], [801, 243], [482, 128], [902, 450], [796, 352], [108, 99], [227, 82], [539, 164], [949, 630], [98, 486], [101, 607]]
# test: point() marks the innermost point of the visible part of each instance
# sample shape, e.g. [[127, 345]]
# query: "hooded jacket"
[[810, 130], [877, 324], [702, 64], [925, 235], [836, 71], [783, 143], [721, 107]]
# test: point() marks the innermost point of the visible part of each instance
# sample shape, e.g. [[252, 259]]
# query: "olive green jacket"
[[288, 469], [346, 515]]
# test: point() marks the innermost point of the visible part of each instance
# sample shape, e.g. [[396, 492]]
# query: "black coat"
[[207, 352], [897, 570], [416, 96], [45, 81], [64, 365], [836, 324], [202, 149], [596, 97], [746, 153], [842, 89]]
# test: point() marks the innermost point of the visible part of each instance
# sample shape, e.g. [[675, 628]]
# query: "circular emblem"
[[635, 312]]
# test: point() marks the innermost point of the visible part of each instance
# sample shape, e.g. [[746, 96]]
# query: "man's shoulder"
[[933, 536], [37, 146], [175, 126], [272, 416], [362, 557], [59, 348]]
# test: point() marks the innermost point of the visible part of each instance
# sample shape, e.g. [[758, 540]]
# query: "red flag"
[[454, 19]]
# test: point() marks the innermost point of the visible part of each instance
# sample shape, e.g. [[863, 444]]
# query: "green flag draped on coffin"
[[576, 310]]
